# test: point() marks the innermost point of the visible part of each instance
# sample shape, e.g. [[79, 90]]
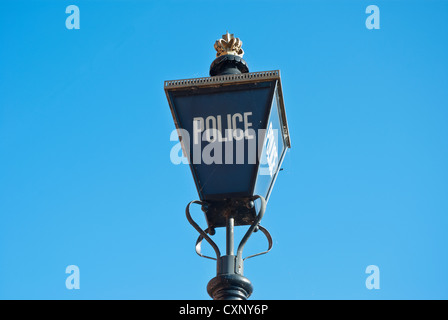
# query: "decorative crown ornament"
[[229, 45]]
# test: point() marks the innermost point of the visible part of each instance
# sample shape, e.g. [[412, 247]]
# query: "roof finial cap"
[[228, 44]]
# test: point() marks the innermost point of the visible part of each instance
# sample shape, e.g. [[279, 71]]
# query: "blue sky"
[[85, 171]]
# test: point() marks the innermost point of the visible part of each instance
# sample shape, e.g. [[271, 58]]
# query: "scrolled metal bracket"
[[270, 243], [198, 246], [203, 234], [253, 228], [229, 283], [260, 227]]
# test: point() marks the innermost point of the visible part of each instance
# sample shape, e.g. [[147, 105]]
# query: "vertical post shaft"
[[229, 283], [230, 236]]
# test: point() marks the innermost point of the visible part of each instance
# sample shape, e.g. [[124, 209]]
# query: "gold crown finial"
[[229, 45]]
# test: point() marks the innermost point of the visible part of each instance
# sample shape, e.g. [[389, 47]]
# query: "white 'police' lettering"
[[215, 129]]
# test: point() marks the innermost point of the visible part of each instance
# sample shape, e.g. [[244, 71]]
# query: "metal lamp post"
[[233, 130]]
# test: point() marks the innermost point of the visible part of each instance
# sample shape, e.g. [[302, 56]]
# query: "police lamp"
[[233, 131]]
